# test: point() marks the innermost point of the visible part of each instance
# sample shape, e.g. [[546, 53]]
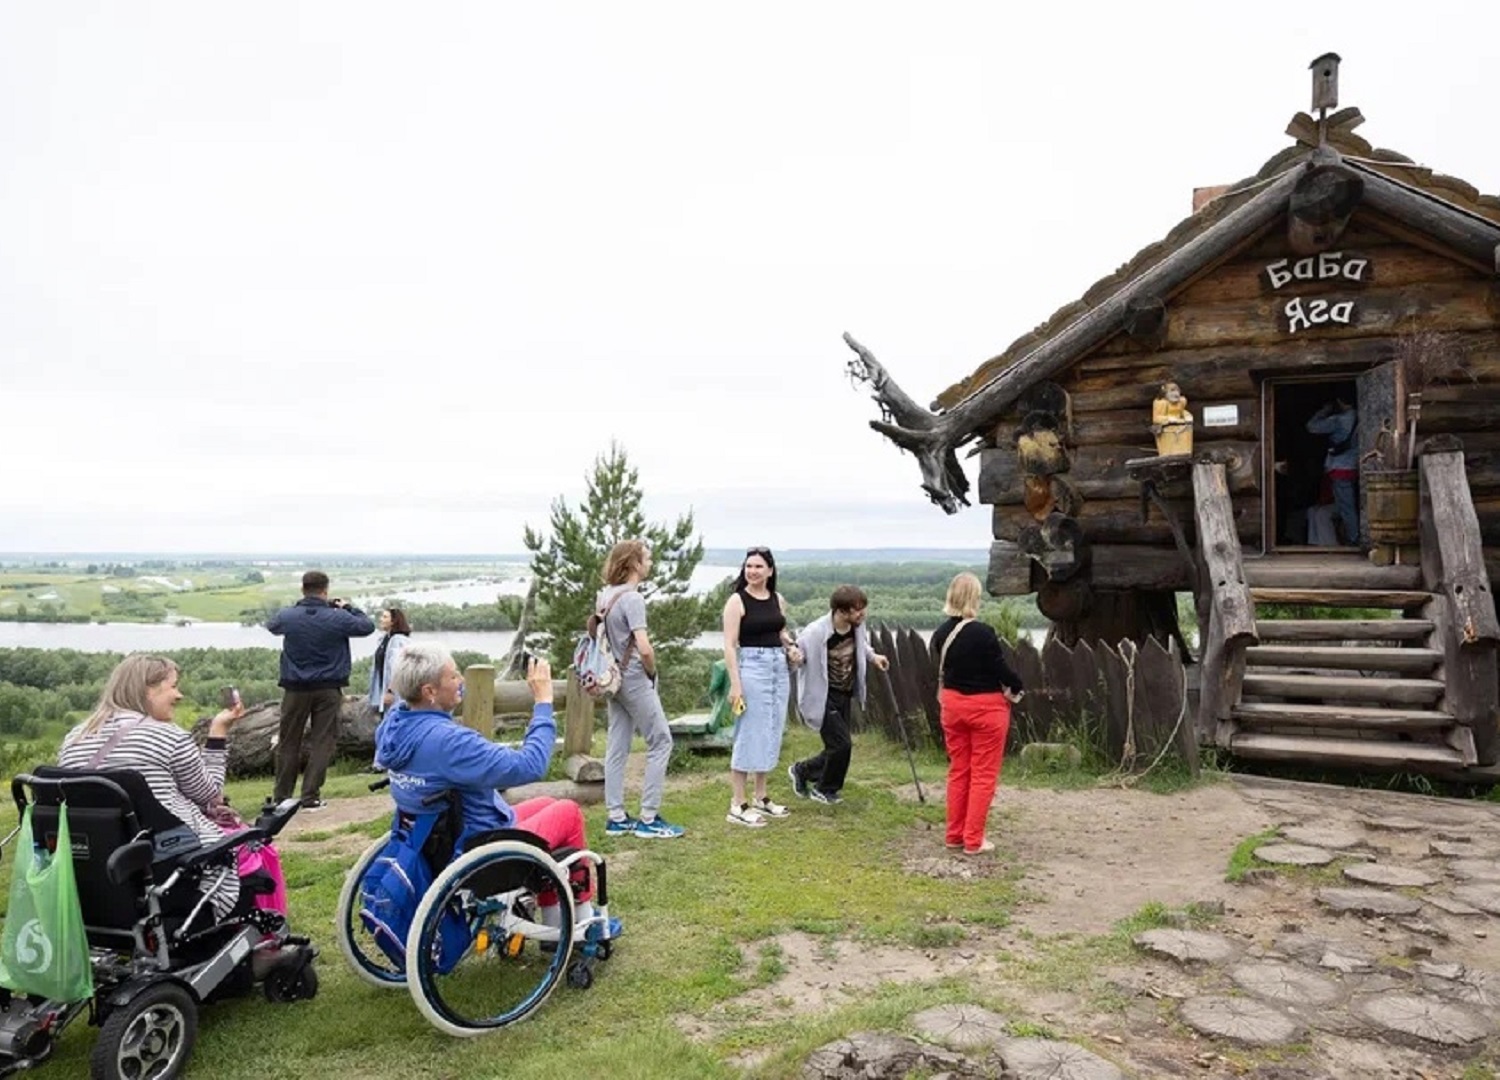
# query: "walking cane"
[[921, 797], [905, 742]]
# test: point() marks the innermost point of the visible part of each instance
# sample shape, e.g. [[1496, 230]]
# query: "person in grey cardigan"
[[836, 653]]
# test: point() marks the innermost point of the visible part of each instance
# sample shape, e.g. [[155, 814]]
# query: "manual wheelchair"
[[156, 949], [506, 959]]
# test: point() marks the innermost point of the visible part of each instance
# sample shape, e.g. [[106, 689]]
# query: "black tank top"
[[763, 622]]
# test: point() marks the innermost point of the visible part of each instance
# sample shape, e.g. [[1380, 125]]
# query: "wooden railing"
[[1231, 613], [1462, 609]]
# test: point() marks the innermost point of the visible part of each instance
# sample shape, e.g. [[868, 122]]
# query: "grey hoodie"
[[812, 678]]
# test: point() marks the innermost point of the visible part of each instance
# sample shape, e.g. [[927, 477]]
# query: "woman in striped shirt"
[[132, 728]]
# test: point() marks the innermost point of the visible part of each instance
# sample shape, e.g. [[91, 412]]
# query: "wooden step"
[[1411, 661], [1367, 598], [1265, 714], [1342, 629], [1343, 688], [1328, 572], [1376, 753]]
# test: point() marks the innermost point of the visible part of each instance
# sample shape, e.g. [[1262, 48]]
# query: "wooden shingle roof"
[[1455, 193]]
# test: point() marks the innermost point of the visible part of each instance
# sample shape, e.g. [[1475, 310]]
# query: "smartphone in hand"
[[229, 698]]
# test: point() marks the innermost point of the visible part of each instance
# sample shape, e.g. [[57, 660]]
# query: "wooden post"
[[578, 723], [1463, 608], [479, 698], [1232, 612]]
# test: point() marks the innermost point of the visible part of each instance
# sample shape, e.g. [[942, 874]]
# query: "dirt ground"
[[1090, 858]]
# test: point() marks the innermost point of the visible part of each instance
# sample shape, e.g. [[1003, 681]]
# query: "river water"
[[123, 637]]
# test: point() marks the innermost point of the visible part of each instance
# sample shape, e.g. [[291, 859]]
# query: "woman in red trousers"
[[975, 689]]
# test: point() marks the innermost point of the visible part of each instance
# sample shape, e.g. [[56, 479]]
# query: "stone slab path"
[[1367, 947]]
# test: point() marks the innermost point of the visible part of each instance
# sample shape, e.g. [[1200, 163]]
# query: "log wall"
[[1222, 337]]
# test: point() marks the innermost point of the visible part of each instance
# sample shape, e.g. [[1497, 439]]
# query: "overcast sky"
[[361, 276]]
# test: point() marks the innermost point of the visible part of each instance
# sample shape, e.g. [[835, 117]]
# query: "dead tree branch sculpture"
[[915, 429]]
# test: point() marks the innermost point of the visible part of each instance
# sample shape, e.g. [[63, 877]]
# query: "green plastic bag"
[[722, 716], [44, 949]]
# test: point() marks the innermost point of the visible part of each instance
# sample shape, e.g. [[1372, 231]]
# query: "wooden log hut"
[[1337, 273]]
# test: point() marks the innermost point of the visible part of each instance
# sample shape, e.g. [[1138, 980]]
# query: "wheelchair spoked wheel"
[[485, 908], [357, 943], [151, 1036]]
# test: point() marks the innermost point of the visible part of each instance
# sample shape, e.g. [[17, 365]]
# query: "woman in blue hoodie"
[[426, 752]]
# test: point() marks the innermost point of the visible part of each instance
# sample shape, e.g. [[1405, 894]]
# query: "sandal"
[[744, 814]]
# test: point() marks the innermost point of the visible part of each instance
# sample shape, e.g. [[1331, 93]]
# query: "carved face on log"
[[1171, 392]]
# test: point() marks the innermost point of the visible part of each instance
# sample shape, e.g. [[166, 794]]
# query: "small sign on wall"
[[1221, 415]]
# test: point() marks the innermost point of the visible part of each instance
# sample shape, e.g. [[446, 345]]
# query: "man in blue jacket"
[[426, 752], [315, 666]]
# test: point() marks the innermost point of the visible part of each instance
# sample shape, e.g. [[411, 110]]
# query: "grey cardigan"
[[812, 679]]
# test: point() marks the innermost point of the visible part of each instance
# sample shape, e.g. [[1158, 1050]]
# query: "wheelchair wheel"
[[285, 985], [358, 944], [479, 955], [149, 1037]]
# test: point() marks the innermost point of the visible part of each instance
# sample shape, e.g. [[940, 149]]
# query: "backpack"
[[393, 888], [599, 673]]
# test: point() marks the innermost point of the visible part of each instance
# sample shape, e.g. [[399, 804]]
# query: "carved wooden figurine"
[[1171, 422]]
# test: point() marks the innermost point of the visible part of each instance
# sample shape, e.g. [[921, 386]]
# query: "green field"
[[211, 591]]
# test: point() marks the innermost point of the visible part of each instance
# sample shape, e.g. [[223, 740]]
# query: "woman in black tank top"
[[758, 647]]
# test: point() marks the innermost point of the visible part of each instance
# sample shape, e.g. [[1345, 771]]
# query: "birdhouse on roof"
[[1325, 88]]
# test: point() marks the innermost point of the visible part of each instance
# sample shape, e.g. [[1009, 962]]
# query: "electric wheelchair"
[[478, 954], [156, 949]]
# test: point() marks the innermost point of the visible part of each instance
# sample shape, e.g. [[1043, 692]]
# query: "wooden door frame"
[[1270, 541]]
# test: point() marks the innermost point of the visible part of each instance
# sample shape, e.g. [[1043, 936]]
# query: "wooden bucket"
[[1392, 501]]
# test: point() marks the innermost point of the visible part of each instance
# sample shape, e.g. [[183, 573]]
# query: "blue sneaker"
[[658, 828], [628, 827], [604, 931]]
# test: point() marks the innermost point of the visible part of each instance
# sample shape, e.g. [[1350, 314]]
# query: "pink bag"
[[254, 858]]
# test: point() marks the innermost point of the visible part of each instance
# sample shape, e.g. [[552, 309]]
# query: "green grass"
[[702, 916], [1078, 964], [1242, 859]]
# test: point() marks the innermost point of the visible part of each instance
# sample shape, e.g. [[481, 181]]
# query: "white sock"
[[551, 915], [583, 911]]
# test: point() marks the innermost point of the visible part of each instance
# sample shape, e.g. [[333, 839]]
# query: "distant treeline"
[[41, 689]]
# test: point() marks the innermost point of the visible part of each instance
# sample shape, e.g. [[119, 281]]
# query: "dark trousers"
[[826, 770], [296, 707]]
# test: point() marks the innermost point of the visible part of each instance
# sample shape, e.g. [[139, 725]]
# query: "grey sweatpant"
[[636, 708]]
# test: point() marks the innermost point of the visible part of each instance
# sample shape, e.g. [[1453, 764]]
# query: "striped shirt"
[[183, 778]]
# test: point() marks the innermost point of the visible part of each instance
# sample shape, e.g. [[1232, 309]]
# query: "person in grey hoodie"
[[636, 706], [836, 651]]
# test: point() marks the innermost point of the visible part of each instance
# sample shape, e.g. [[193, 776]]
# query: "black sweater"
[[975, 664]]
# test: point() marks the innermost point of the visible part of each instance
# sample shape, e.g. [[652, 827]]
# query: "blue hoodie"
[[427, 752]]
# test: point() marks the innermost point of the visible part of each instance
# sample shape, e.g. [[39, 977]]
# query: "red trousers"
[[559, 822], [974, 729]]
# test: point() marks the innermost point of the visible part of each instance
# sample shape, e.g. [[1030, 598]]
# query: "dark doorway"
[[1302, 509]]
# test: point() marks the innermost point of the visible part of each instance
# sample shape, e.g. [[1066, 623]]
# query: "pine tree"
[[567, 563]]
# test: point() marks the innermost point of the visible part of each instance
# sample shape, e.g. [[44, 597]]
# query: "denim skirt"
[[758, 731]]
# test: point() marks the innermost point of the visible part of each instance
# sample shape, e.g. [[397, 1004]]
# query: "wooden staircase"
[[1360, 692], [1405, 690]]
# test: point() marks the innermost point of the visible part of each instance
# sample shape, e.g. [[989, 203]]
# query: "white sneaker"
[[744, 814], [771, 809]]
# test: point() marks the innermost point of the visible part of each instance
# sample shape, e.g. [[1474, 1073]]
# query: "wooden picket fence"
[[1127, 703]]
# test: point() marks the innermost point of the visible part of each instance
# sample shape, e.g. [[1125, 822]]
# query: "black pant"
[[297, 706], [826, 771]]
